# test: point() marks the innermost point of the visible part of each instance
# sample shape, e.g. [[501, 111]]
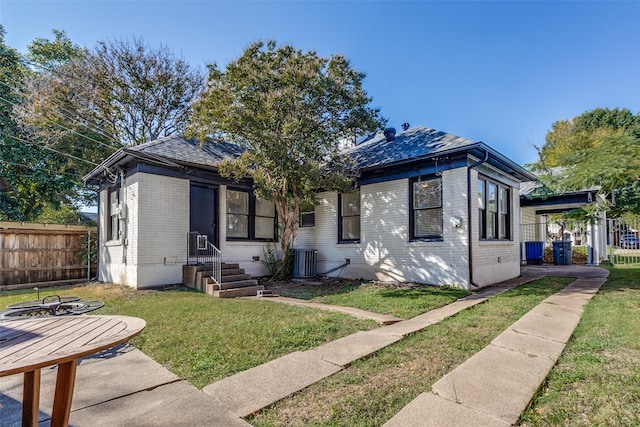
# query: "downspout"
[[469, 215], [122, 218]]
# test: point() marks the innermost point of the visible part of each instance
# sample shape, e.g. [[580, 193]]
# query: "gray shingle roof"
[[188, 150], [410, 144]]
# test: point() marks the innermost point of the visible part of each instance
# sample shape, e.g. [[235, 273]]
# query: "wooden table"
[[27, 345]]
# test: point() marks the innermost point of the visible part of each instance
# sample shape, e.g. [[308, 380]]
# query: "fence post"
[[88, 256], [611, 242]]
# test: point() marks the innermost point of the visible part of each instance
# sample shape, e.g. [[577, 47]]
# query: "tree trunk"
[[287, 219]]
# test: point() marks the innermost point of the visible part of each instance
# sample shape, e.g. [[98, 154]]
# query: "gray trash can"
[[562, 252]]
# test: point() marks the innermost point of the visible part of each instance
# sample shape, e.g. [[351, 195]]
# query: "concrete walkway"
[[495, 385], [124, 387], [259, 387], [384, 319]]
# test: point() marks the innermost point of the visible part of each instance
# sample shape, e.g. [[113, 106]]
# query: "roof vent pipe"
[[390, 134]]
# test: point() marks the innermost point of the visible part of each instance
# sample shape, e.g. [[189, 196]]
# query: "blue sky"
[[498, 72]]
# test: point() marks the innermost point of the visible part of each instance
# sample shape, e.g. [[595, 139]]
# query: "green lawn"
[[372, 390], [597, 378], [400, 301], [203, 339]]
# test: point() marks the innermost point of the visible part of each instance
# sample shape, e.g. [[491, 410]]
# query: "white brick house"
[[431, 208]]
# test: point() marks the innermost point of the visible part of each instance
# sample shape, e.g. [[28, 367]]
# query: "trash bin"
[[562, 252], [534, 252]]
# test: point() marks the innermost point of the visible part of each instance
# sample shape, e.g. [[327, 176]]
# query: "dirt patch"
[[577, 258], [310, 288]]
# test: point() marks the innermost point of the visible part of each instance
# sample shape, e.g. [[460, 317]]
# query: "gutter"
[[469, 216]]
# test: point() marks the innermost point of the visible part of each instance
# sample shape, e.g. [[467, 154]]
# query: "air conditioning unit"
[[305, 263]]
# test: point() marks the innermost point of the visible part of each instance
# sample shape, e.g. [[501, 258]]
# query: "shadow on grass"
[[421, 292]]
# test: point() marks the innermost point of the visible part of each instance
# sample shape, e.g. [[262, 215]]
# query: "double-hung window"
[[494, 215], [237, 214], [113, 209], [248, 217], [265, 220], [425, 222], [349, 214]]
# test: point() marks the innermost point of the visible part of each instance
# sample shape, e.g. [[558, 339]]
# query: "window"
[[249, 218], [113, 211], [482, 212], [503, 212], [265, 218], [492, 211], [308, 218], [349, 214], [425, 222], [238, 214], [494, 216]]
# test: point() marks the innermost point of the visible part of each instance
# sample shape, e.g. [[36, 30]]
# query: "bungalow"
[[431, 207]]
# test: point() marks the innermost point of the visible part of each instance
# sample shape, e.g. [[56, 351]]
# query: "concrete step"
[[237, 292], [235, 277], [228, 285], [226, 266], [232, 271]]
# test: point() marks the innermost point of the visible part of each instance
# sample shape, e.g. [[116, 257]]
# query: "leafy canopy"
[[73, 107], [290, 109], [30, 177], [600, 148]]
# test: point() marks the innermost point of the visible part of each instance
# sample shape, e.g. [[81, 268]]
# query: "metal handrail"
[[200, 251]]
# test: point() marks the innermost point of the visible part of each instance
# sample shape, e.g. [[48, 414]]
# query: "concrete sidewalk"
[[495, 385], [124, 387], [119, 387]]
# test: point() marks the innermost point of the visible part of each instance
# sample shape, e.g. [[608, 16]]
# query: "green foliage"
[[599, 149], [290, 109], [64, 214], [272, 259], [74, 107], [52, 54]]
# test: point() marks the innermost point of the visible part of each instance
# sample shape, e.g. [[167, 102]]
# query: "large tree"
[[600, 148], [121, 93], [88, 103], [30, 175], [289, 109]]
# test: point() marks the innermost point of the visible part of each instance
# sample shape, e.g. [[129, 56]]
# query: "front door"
[[203, 216]]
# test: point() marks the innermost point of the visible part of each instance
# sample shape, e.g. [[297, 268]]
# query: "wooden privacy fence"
[[36, 253]]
